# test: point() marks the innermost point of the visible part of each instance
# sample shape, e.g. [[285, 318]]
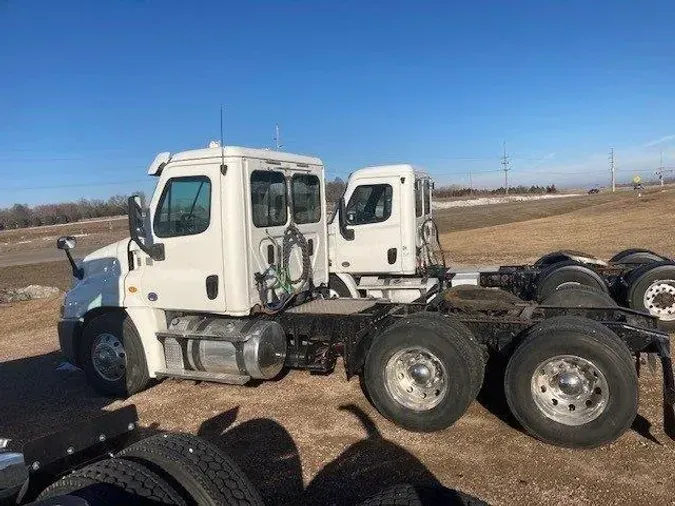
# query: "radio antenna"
[[223, 167]]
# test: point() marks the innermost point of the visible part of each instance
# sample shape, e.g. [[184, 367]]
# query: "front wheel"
[[422, 375], [572, 382], [112, 356]]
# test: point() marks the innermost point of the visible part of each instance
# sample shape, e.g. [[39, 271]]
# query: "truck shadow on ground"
[[37, 398], [493, 398], [270, 458]]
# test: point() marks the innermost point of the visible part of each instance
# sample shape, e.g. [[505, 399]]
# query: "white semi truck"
[[226, 277], [386, 246]]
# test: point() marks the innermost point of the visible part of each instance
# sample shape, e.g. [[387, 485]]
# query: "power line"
[[78, 185]]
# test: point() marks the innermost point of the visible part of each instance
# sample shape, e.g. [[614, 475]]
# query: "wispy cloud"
[[661, 140]]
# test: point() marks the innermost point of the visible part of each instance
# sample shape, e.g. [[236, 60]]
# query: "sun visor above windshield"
[[155, 168]]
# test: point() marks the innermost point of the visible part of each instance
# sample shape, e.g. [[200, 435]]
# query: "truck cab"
[[379, 233]]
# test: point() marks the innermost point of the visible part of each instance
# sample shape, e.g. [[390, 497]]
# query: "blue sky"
[[91, 91]]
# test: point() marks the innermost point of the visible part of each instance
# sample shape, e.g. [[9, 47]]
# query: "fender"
[[349, 282]]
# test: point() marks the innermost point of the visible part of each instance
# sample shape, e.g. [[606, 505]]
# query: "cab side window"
[[268, 198], [370, 203], [184, 207], [306, 190]]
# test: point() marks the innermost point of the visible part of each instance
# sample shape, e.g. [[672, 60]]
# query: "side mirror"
[[136, 226], [345, 232], [67, 242], [137, 230]]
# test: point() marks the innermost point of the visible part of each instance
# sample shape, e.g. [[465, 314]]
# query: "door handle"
[[212, 286], [392, 253]]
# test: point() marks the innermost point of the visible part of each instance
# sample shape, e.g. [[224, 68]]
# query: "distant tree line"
[[21, 215], [460, 191], [335, 188]]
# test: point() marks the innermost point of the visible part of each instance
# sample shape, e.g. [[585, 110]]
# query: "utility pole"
[[612, 168], [470, 183], [505, 167], [661, 167], [277, 138]]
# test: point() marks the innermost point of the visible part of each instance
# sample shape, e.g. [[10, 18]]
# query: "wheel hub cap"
[[108, 357], [416, 379], [570, 389], [659, 299]]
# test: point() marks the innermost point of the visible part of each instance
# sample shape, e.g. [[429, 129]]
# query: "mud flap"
[[668, 389]]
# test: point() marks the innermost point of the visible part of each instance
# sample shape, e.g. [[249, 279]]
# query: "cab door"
[[372, 212], [185, 218]]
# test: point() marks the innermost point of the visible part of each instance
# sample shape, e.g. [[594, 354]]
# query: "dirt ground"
[[315, 439]]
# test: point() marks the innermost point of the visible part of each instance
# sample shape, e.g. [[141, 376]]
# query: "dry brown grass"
[[603, 229], [89, 234]]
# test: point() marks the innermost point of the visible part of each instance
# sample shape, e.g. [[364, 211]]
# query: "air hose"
[[431, 259], [281, 274]]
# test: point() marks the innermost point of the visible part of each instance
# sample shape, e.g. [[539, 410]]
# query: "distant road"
[[40, 256]]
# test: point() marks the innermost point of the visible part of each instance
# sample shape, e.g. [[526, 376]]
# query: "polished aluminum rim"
[[108, 357], [416, 378], [569, 389], [659, 299]]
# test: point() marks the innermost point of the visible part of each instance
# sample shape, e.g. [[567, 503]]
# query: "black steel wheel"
[[113, 482], [572, 382], [651, 288], [201, 471], [112, 356], [421, 374], [575, 295], [568, 271]]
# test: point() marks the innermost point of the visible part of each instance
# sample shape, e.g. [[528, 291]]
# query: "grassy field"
[[301, 437]]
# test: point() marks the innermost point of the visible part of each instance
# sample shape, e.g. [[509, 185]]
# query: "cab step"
[[229, 379]]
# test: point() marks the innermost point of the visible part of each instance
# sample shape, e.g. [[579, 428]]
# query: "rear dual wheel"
[[423, 372], [572, 382], [566, 272], [651, 288], [636, 256]]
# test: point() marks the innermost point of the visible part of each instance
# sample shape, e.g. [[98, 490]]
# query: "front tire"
[[112, 356], [572, 382], [422, 375]]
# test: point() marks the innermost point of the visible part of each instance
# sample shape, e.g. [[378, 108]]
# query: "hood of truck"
[[102, 283], [110, 259]]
